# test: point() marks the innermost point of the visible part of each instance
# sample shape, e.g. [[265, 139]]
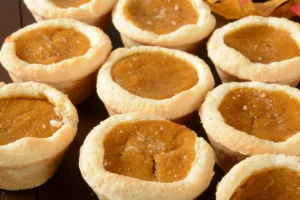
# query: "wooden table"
[[67, 183]]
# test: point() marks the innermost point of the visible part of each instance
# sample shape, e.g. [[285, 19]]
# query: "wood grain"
[[26, 16], [10, 21], [22, 195]]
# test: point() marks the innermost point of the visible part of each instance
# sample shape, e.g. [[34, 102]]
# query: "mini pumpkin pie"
[[93, 12], [176, 24], [245, 119], [65, 54], [262, 177], [264, 49], [142, 156], [161, 81], [37, 124]]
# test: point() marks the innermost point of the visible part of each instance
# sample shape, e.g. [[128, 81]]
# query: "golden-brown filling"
[[154, 75], [161, 16], [272, 184], [69, 3], [51, 45], [150, 150], [21, 117], [268, 115], [263, 44]]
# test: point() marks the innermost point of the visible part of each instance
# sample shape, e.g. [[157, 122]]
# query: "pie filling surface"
[[268, 115], [161, 16], [51, 45], [69, 3], [159, 151], [271, 184], [22, 117], [154, 75], [263, 44]]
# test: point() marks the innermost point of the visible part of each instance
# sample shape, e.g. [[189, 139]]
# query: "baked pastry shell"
[[111, 186], [29, 162], [75, 76], [181, 120], [231, 145], [95, 12], [120, 101], [245, 169], [233, 66], [187, 38], [189, 48]]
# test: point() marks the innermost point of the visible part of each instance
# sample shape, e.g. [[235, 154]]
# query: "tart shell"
[[75, 76], [231, 145], [121, 101], [111, 186], [239, 173], [189, 48], [186, 38], [95, 12], [29, 162], [232, 66]]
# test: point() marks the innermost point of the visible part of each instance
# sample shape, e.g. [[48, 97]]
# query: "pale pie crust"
[[232, 145], [74, 75], [234, 66], [110, 186], [29, 162], [184, 38], [94, 12], [245, 169], [122, 101]]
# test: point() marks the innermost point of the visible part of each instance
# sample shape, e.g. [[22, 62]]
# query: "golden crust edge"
[[250, 166], [58, 72], [235, 64], [179, 37], [110, 92], [112, 186], [26, 151], [238, 141], [89, 12]]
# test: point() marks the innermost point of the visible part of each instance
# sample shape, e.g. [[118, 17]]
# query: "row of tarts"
[[144, 155]]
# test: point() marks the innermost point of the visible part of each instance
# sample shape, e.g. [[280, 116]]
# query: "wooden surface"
[[67, 183]]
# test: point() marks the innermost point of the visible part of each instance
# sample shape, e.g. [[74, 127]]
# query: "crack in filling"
[[268, 115], [150, 150]]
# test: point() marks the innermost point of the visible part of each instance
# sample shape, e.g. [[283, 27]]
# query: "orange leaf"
[[235, 9], [296, 9], [247, 7], [230, 9], [284, 11], [268, 7]]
